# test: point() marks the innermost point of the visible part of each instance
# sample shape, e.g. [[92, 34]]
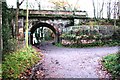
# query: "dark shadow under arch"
[[32, 30]]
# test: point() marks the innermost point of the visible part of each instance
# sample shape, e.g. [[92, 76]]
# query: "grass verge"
[[112, 65], [17, 62], [0, 71]]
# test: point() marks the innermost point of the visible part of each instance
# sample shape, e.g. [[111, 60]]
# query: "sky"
[[84, 5]]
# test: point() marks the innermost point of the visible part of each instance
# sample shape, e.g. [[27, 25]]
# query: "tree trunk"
[[94, 10], [109, 10], [101, 11], [1, 42], [16, 24], [12, 28], [119, 9], [17, 13], [12, 23]]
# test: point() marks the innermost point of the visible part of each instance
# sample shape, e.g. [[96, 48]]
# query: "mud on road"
[[74, 62]]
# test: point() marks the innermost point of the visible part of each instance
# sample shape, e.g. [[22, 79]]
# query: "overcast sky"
[[45, 4]]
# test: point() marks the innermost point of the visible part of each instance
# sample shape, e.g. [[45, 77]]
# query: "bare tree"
[[112, 9], [17, 13], [31, 5], [119, 9], [109, 9], [64, 5], [101, 10], [39, 5], [115, 12], [59, 5], [94, 8], [98, 10]]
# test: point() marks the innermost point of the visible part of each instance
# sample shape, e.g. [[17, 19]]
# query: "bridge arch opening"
[[41, 24]]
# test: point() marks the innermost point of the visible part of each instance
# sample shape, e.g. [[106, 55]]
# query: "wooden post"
[[26, 34]]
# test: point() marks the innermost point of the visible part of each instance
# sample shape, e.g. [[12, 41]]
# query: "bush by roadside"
[[94, 44], [112, 65], [0, 71], [17, 62], [116, 35]]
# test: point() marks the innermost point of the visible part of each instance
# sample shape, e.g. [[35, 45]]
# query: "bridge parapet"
[[54, 13]]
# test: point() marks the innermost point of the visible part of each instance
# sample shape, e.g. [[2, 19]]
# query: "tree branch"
[[102, 8], [21, 2]]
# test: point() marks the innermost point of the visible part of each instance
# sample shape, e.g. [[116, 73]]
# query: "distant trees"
[[98, 8], [119, 9], [94, 9], [64, 5], [111, 7], [38, 4], [59, 5], [101, 10]]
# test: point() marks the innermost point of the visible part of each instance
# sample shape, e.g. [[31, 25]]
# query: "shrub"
[[0, 71], [118, 59], [116, 35], [68, 36], [106, 38], [17, 62], [58, 44], [110, 62], [8, 41], [10, 45], [94, 44]]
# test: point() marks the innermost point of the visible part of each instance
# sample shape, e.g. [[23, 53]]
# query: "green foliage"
[[10, 45], [17, 62], [68, 37], [94, 44], [118, 54], [8, 41], [112, 43], [98, 40], [116, 35], [59, 44], [47, 38], [0, 71], [80, 37], [110, 62], [118, 22]]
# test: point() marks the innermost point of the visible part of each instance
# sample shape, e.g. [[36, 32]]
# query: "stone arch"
[[41, 24]]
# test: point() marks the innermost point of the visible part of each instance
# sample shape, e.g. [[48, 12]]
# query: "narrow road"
[[74, 62]]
